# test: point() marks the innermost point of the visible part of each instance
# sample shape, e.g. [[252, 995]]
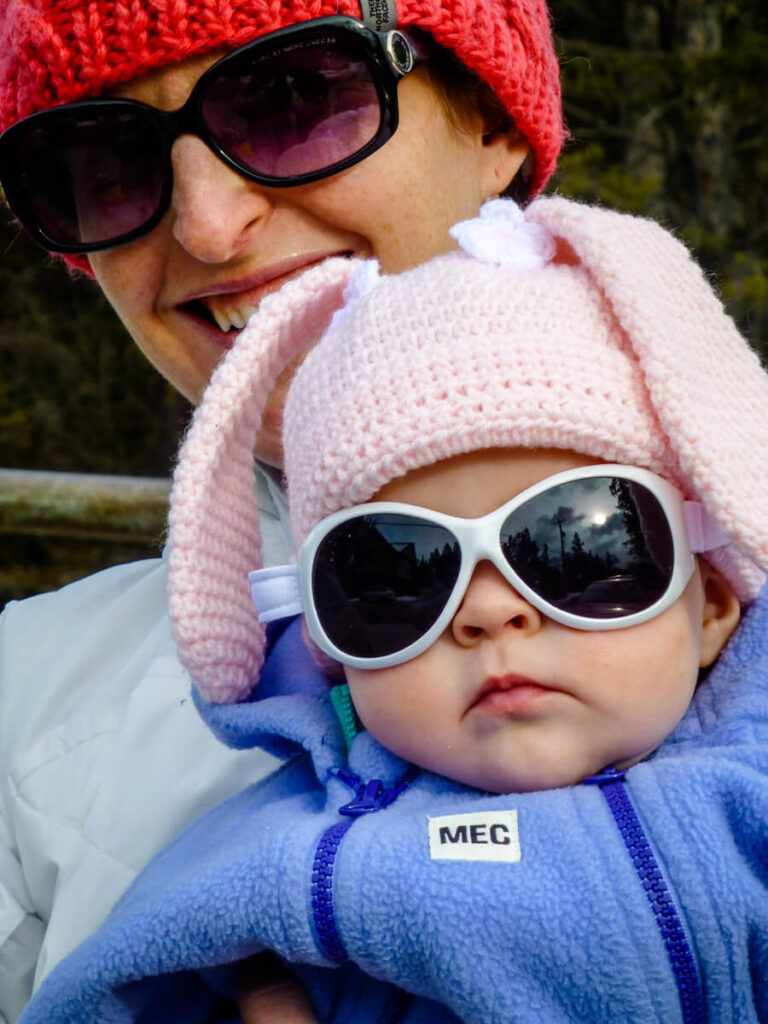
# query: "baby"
[[520, 798]]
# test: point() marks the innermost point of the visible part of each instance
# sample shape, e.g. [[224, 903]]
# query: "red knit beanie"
[[59, 51]]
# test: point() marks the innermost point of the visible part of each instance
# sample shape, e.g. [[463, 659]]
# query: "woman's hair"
[[465, 95]]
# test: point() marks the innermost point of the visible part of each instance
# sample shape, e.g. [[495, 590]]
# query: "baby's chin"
[[623, 764], [535, 778]]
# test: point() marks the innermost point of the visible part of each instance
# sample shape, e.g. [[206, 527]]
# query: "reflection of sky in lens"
[[553, 519], [298, 110], [400, 530], [586, 507]]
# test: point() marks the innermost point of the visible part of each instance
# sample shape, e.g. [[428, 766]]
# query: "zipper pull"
[[607, 775], [368, 797], [373, 795]]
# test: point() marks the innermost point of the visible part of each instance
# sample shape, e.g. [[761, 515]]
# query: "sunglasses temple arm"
[[275, 592], [422, 49], [703, 532]]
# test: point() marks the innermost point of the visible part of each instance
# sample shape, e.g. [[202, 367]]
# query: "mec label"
[[481, 835]]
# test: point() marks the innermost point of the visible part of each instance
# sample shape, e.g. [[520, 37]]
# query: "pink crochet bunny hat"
[[566, 326]]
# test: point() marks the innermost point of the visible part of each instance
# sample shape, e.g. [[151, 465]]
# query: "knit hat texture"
[[568, 327], [59, 51]]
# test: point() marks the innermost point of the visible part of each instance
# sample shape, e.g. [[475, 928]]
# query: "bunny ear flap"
[[214, 538], [706, 385]]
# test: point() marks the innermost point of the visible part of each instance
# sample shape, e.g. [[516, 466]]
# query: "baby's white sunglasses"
[[595, 548]]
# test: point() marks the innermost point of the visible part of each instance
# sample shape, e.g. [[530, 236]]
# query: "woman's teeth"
[[232, 319]]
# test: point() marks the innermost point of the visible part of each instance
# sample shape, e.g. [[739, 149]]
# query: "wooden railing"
[[84, 505]]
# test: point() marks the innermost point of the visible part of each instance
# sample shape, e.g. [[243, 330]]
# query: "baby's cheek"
[[655, 662], [677, 645], [411, 709], [382, 702]]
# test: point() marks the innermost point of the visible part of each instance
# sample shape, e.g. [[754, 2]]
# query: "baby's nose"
[[490, 605]]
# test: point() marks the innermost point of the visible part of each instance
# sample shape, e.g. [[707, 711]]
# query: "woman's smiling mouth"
[[229, 307]]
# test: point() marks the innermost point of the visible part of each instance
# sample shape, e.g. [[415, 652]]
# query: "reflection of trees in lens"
[[361, 555], [649, 542], [376, 593], [622, 490], [556, 576], [614, 554], [441, 565], [585, 566], [543, 572]]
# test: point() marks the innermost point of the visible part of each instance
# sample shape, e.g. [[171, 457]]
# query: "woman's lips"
[[225, 308], [509, 694]]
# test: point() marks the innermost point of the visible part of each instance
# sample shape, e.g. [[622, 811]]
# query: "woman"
[[103, 758]]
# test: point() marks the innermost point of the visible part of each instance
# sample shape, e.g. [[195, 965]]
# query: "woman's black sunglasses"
[[290, 108]]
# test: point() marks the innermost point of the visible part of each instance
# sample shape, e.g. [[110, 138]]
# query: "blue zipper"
[[369, 797], [611, 782]]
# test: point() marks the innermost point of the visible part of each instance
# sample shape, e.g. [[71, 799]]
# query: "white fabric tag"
[[482, 835]]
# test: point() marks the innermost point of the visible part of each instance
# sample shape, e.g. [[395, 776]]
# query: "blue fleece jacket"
[[590, 903]]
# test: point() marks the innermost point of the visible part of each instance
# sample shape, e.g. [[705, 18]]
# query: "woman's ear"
[[720, 615], [502, 157]]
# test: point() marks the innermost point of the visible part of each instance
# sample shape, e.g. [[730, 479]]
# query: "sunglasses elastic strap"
[[703, 532], [275, 592]]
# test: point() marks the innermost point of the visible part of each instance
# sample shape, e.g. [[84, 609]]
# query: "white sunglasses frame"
[[691, 527]]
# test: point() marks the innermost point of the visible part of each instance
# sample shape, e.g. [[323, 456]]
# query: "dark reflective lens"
[[89, 179], [290, 112], [381, 581], [599, 547]]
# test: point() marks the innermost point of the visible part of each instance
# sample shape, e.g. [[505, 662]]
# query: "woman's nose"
[[214, 210], [490, 606]]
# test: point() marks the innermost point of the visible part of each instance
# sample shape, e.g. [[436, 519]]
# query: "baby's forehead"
[[478, 482]]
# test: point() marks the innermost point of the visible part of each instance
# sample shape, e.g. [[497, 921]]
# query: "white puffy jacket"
[[103, 758]]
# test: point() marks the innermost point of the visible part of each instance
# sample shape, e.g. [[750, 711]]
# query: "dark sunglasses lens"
[[296, 110], [90, 179], [599, 547], [381, 581]]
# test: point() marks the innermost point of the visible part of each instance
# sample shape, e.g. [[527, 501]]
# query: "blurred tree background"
[[665, 104]]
